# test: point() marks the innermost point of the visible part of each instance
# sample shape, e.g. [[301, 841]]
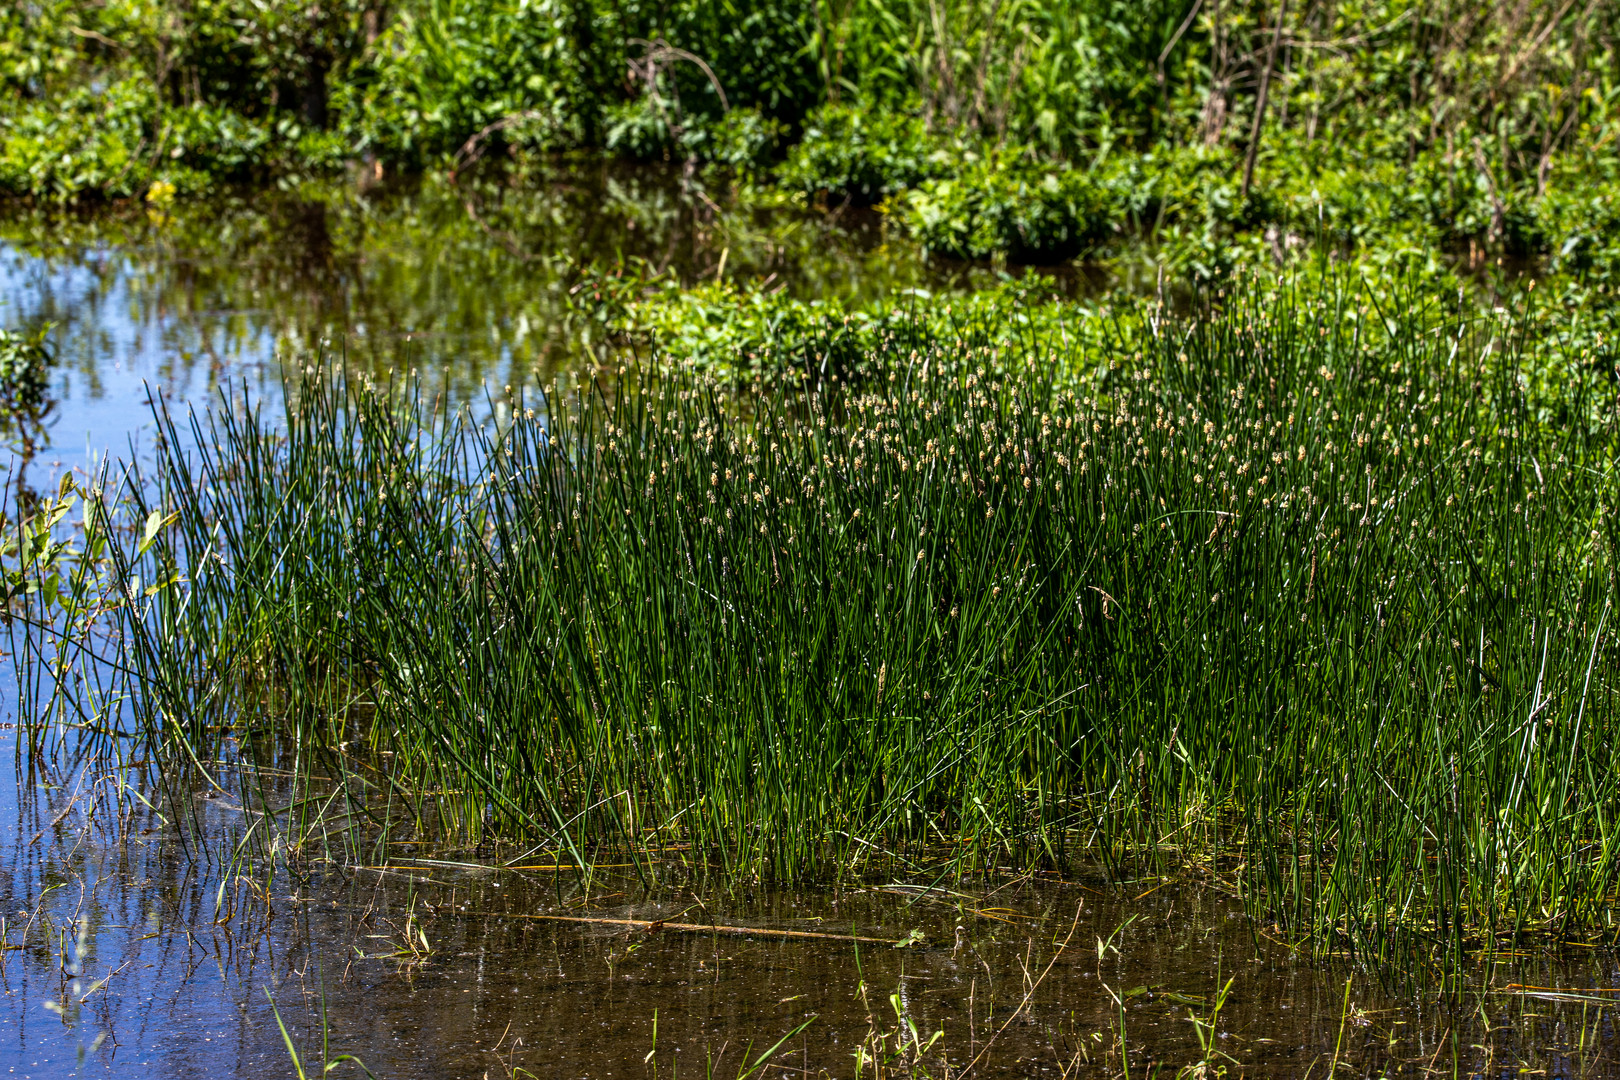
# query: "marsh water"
[[465, 285], [131, 951]]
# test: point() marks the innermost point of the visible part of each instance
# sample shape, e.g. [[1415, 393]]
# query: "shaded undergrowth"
[[1323, 611]]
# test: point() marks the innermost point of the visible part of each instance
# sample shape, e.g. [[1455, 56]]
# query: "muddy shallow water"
[[126, 957], [131, 953]]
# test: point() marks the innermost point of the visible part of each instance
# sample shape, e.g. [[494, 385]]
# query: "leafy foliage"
[[1008, 202], [863, 155], [745, 331], [25, 362]]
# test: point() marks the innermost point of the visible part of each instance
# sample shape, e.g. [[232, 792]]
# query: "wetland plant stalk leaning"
[[1315, 598]]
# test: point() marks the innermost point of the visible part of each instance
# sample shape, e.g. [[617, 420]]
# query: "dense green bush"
[[1009, 202], [743, 140], [448, 69], [1034, 129], [743, 330], [81, 141], [757, 50], [95, 98], [109, 98], [864, 154]]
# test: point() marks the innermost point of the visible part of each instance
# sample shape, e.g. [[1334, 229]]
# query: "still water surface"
[[466, 285], [130, 953]]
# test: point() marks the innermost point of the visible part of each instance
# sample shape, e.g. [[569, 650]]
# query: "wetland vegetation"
[[970, 609], [795, 507]]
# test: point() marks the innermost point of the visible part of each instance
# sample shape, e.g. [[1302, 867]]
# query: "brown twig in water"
[[655, 925], [1029, 994], [472, 149]]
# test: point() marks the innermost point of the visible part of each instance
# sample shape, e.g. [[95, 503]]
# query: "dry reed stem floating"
[[653, 926]]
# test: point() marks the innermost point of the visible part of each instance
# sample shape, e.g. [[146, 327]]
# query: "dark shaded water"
[[130, 953]]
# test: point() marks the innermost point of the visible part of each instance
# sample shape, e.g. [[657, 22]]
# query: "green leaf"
[[155, 521]]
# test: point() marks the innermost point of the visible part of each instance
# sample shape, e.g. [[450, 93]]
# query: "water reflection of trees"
[[395, 279]]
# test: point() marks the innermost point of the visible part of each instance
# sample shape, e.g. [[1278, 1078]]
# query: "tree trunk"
[[313, 104], [1260, 105]]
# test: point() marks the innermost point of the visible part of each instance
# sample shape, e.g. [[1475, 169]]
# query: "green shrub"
[[741, 141], [82, 141], [746, 330], [863, 154], [742, 330], [448, 69], [1584, 227], [217, 142], [744, 140], [637, 130], [1008, 202]]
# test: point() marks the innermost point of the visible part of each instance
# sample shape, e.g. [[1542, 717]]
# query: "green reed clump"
[[1327, 610]]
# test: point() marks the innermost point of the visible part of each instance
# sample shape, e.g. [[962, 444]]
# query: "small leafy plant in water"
[[303, 1068], [897, 1048], [1205, 1025]]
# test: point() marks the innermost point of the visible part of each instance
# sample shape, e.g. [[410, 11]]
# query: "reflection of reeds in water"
[[1329, 618]]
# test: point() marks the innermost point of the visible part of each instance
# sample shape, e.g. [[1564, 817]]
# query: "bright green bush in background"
[[1030, 130]]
